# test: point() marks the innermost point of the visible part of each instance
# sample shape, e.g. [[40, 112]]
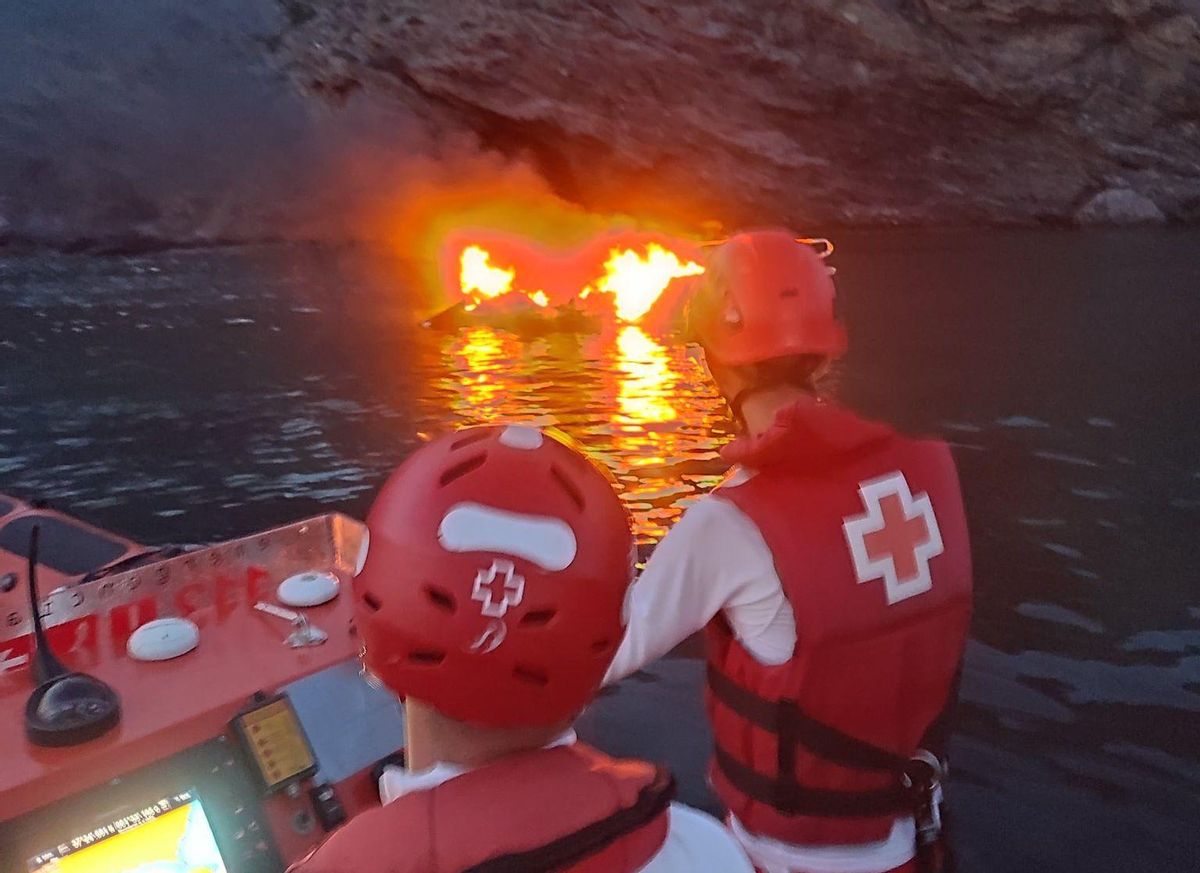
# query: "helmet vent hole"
[[472, 437], [602, 647], [372, 602], [531, 675], [441, 598], [538, 617], [426, 658], [463, 468], [567, 486]]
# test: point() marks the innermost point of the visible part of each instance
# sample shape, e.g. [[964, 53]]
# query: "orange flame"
[[636, 282], [631, 276], [479, 279]]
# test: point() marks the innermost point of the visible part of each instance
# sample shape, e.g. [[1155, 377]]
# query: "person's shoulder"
[[368, 842], [697, 842], [717, 518], [712, 532], [702, 532], [712, 511]]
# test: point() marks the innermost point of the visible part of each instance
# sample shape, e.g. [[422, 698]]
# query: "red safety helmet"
[[495, 583], [765, 295]]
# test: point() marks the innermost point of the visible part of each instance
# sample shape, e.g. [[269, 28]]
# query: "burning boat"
[[622, 278]]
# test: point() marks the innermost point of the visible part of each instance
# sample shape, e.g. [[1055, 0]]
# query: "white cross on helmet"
[[512, 592]]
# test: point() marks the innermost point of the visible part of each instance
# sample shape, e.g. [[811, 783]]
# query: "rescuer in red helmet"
[[492, 600], [832, 572]]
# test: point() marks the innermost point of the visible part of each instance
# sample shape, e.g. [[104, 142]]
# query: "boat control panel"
[[246, 732]]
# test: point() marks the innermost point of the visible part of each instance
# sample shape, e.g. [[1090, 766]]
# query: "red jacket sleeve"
[[391, 839]]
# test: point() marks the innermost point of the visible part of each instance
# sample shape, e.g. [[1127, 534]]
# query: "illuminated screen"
[[170, 836], [273, 734]]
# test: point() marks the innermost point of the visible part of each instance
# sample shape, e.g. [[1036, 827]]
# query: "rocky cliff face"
[[171, 121], [149, 122], [823, 111]]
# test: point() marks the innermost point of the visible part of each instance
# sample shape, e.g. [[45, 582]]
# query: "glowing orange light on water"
[[636, 402], [483, 356], [648, 378]]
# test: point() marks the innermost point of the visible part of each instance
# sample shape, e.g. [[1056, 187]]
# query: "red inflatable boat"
[[234, 752]]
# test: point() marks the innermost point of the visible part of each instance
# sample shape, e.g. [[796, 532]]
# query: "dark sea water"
[[192, 396]]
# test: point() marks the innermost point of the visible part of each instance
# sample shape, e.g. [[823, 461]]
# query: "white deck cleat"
[[311, 588], [163, 639]]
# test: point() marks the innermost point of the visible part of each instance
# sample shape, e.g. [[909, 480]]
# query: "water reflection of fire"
[[645, 390], [623, 273], [593, 359], [481, 354], [635, 402]]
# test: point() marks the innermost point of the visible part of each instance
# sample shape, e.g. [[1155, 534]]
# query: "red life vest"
[[569, 808], [869, 539]]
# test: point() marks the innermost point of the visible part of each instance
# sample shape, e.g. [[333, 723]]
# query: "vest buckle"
[[922, 777]]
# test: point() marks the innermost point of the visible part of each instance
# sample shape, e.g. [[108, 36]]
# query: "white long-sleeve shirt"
[[695, 843], [715, 560]]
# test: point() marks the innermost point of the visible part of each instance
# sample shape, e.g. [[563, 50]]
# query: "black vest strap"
[[787, 720], [791, 798], [794, 728], [652, 801]]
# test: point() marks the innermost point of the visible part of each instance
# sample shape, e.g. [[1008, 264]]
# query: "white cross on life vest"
[[895, 539], [498, 588]]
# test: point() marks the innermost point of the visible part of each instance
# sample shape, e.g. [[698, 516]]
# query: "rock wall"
[[814, 112], [155, 122], [158, 122]]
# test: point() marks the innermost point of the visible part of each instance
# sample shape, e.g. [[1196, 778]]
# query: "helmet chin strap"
[[734, 403], [737, 403]]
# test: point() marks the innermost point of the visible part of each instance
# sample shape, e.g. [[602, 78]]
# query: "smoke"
[[424, 207]]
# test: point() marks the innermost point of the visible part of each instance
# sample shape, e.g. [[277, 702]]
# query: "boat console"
[[245, 730]]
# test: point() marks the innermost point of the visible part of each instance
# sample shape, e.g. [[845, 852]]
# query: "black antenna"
[[46, 665], [66, 708]]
